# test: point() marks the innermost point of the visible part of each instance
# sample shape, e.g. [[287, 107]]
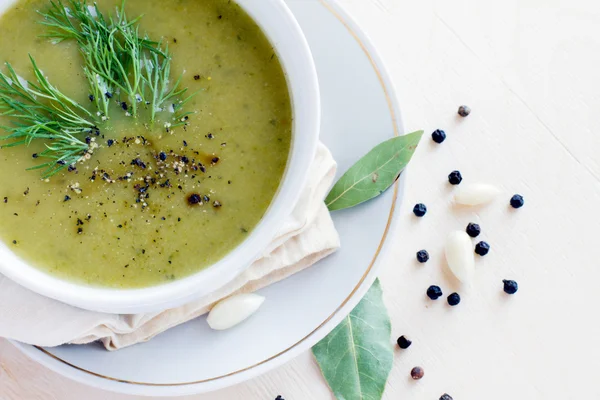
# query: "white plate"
[[359, 111]]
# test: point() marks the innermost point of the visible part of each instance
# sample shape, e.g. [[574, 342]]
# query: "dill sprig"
[[117, 58], [41, 111], [117, 61]]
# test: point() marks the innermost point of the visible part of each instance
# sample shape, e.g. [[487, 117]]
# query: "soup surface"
[[152, 204]]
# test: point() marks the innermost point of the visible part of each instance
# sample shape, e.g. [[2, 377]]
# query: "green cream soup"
[[151, 202]]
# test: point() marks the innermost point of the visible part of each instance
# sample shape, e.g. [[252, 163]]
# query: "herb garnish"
[[121, 66], [356, 357], [41, 111]]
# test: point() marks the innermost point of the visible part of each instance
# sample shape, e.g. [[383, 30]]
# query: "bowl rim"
[[300, 71]]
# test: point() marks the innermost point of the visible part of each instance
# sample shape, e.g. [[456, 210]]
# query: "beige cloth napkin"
[[307, 237]]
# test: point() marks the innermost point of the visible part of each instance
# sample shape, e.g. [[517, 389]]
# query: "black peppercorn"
[[517, 201], [455, 178], [438, 136], [482, 248], [185, 160], [510, 286], [473, 230], [454, 299], [422, 256], [194, 199], [464, 111], [420, 209], [417, 373], [403, 342], [34, 155], [162, 156], [434, 292], [446, 396]]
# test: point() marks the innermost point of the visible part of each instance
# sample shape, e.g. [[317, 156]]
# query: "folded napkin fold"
[[307, 236]]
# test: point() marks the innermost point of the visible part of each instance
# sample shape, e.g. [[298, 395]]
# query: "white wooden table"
[[530, 70]]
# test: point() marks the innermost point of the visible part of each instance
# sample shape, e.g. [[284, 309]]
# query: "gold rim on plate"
[[358, 285]]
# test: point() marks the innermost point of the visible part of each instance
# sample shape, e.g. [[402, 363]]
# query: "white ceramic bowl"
[[282, 29]]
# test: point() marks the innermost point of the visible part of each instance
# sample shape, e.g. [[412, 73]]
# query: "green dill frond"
[[115, 56], [39, 111], [117, 61]]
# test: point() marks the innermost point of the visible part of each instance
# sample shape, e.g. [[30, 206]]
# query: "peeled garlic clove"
[[475, 194], [459, 255], [233, 310]]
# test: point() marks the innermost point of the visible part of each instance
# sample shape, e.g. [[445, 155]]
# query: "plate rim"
[[93, 379]]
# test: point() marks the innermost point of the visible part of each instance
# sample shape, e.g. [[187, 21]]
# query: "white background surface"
[[530, 70]]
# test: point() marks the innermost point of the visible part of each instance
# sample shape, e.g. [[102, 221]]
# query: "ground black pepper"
[[67, 198], [110, 142], [138, 162], [193, 199], [196, 77]]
